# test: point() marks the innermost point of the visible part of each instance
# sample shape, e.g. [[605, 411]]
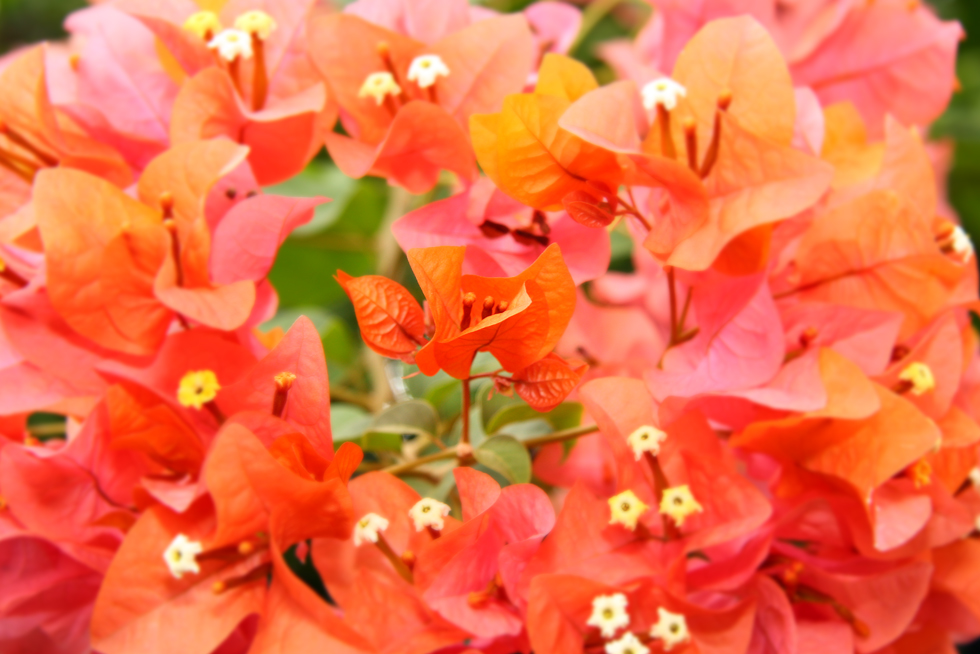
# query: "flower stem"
[[465, 437]]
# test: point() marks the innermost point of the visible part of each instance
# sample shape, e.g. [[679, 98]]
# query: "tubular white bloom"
[[663, 91], [232, 44], [628, 644], [425, 69], [646, 439], [181, 556], [367, 529], [428, 512], [609, 614], [671, 628]]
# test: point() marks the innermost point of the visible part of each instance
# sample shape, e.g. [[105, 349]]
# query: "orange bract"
[[391, 321], [113, 275], [518, 319]]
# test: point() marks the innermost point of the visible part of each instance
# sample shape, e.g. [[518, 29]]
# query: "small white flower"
[[961, 243], [975, 477], [663, 91], [424, 70], [428, 512], [628, 644], [609, 614], [671, 628], [181, 556], [232, 44], [646, 439], [367, 529], [379, 85]]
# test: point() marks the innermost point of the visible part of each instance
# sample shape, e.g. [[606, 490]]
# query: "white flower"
[[379, 85], [975, 477], [428, 512], [425, 69], [367, 529], [232, 44], [961, 243], [646, 439], [671, 628], [609, 614], [628, 644], [663, 91], [181, 556]]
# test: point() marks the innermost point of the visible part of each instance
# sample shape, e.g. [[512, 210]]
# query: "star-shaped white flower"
[[428, 512], [663, 91], [181, 556], [609, 614]]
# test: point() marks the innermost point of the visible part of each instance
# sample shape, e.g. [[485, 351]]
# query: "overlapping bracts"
[[762, 438]]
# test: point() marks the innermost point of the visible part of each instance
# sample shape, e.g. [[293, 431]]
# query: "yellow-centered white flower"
[[609, 614], [256, 22], [628, 644], [662, 92], [426, 69], [670, 628], [181, 556], [367, 529], [646, 439], [232, 44], [920, 376], [428, 512], [625, 509], [379, 86], [678, 503]]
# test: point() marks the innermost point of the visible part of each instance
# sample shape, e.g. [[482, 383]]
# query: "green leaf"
[[411, 417], [564, 416], [507, 456], [376, 441], [348, 422], [319, 178]]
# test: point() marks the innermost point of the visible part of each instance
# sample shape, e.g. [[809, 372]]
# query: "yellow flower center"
[[626, 509], [197, 388], [919, 375]]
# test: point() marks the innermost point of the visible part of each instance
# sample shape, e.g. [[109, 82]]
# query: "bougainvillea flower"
[[469, 575], [560, 607], [359, 577], [517, 319], [150, 260], [861, 449], [406, 129], [262, 502], [267, 97], [507, 236], [842, 50], [34, 135], [283, 393], [620, 407]]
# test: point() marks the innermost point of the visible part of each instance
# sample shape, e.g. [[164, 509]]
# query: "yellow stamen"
[[204, 24], [626, 509], [197, 388]]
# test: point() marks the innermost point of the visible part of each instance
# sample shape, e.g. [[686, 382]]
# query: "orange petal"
[[545, 384], [564, 77]]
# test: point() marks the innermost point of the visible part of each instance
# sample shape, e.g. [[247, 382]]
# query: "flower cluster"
[[761, 435]]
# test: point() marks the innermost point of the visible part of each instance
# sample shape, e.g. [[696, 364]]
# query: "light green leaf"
[[564, 416], [507, 456], [348, 422], [411, 417]]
